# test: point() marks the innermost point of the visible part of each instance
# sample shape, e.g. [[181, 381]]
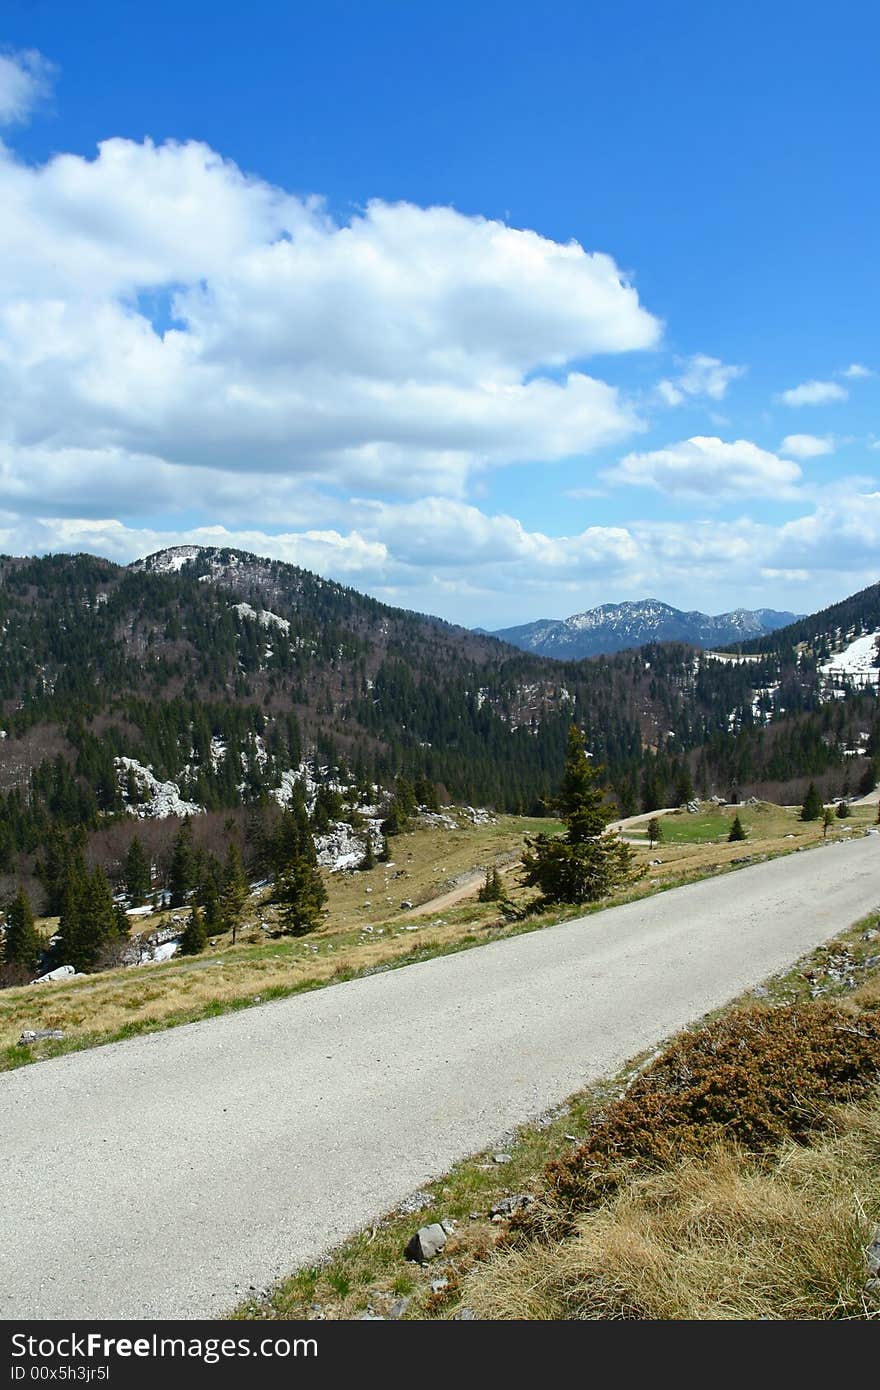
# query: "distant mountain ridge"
[[614, 627]]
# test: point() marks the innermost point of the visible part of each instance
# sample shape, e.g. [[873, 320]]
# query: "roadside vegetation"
[[731, 1175]]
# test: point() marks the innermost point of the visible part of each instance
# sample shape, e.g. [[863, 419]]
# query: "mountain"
[[614, 627], [215, 683]]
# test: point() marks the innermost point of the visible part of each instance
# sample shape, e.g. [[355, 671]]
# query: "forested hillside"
[[203, 680]]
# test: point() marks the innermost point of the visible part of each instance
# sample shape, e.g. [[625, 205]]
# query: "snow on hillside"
[[169, 561], [858, 664], [162, 798], [263, 616]]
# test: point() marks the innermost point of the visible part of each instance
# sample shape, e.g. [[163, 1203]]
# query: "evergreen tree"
[[300, 891], [843, 810], [88, 918], [736, 830], [827, 822], [491, 890], [195, 935], [655, 831], [684, 788], [586, 862], [182, 876], [813, 804], [369, 860], [234, 891], [137, 873], [22, 941]]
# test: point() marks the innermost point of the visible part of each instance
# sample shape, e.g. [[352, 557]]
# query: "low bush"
[[755, 1078]]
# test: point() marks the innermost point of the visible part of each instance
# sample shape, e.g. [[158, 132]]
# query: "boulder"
[[426, 1244], [31, 1035]]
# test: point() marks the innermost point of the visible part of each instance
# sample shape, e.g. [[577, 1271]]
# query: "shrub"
[[755, 1078]]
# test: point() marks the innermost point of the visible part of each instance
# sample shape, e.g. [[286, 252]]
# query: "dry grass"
[[721, 1238]]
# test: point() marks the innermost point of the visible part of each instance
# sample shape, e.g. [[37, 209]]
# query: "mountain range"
[[212, 682], [614, 627]]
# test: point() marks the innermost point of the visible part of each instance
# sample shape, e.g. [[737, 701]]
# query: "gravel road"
[[169, 1175]]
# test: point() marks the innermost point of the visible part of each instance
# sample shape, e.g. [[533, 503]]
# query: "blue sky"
[[493, 312]]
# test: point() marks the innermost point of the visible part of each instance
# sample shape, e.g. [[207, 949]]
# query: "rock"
[[870, 934], [62, 972], [501, 1158], [438, 1285], [465, 1315], [448, 1226], [694, 808], [399, 1307], [427, 1243], [509, 1205], [405, 904], [369, 1316], [760, 991], [872, 1254], [31, 1035]]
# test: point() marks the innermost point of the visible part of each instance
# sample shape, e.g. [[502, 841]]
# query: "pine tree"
[[843, 810], [491, 890], [655, 831], [813, 804], [22, 941], [182, 876], [300, 891], [827, 822], [587, 862], [195, 935], [369, 860], [137, 873], [234, 891], [88, 917], [736, 830]]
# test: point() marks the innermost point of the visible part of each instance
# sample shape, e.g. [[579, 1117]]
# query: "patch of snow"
[[165, 951], [858, 664], [262, 616], [139, 911]]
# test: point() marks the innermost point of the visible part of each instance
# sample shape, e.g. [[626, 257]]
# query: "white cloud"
[[814, 393], [25, 79], [700, 376], [401, 351], [708, 467], [855, 371], [807, 446], [438, 553]]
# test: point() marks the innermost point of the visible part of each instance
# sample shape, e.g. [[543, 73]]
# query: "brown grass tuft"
[[713, 1238]]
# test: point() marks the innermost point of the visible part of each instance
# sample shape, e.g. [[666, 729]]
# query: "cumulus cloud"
[[807, 446], [438, 552], [25, 80], [700, 376], [855, 371], [708, 467], [814, 393], [158, 302]]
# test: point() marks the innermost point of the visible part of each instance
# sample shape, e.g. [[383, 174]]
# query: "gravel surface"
[[172, 1175]]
